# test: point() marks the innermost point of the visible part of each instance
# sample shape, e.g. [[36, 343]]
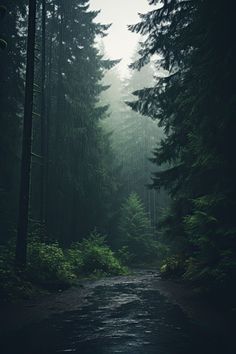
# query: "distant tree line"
[[133, 138]]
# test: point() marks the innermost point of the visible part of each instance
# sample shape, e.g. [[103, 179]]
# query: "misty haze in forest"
[[117, 176]]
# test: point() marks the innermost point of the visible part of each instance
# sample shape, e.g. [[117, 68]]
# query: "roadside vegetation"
[[52, 268]]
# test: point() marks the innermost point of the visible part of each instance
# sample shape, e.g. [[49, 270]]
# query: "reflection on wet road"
[[120, 315]]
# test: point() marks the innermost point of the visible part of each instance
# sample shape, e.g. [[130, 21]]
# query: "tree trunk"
[[58, 172], [59, 79], [48, 123], [21, 243], [43, 117]]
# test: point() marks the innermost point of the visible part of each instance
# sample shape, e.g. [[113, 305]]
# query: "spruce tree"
[[11, 67], [80, 178], [135, 229], [193, 100]]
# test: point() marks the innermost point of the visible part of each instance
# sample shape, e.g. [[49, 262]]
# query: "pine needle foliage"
[[194, 101], [135, 229]]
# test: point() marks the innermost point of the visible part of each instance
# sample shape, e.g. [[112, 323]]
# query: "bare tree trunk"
[[154, 209], [43, 117], [59, 79], [48, 123], [58, 172], [21, 244]]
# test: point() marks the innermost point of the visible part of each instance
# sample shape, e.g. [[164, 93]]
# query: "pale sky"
[[120, 43]]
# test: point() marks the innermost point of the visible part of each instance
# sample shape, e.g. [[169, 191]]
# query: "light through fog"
[[120, 42]]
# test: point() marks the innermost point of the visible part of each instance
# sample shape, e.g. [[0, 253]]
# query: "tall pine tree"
[[194, 99]]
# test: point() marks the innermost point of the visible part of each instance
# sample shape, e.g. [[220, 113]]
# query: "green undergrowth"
[[93, 257], [50, 267], [207, 282], [173, 266]]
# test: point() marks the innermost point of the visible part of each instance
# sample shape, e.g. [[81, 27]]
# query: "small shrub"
[[93, 256], [124, 255], [213, 279], [173, 266], [47, 265], [12, 286], [75, 258]]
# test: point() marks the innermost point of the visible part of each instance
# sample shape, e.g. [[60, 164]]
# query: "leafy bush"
[[50, 267], [47, 265], [93, 256], [12, 285], [211, 278], [173, 266], [47, 268], [162, 251], [75, 258], [124, 255]]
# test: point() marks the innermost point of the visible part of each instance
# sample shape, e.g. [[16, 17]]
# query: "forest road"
[[128, 315]]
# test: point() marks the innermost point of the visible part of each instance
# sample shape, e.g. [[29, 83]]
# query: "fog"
[[120, 42]]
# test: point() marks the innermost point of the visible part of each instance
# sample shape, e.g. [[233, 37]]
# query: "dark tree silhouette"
[[21, 245]]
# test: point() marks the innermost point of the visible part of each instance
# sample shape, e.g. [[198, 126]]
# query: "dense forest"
[[194, 101], [100, 174]]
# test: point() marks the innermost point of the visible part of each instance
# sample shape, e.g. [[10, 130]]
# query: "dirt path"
[[17, 316], [134, 314]]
